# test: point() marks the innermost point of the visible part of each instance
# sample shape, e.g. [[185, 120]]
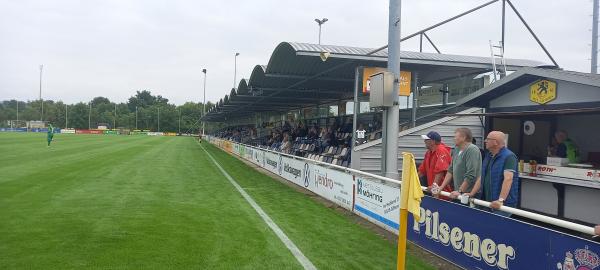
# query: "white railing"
[[518, 212]]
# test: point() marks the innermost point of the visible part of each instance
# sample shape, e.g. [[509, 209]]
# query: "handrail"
[[518, 212], [431, 114], [331, 165]]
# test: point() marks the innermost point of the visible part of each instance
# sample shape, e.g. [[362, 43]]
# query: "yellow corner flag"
[[410, 201]]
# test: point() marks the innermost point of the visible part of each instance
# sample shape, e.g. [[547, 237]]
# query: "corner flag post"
[[410, 201]]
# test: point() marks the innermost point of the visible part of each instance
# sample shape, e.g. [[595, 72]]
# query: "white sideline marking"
[[305, 262]]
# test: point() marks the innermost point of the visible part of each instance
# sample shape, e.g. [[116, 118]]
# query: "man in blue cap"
[[436, 161]]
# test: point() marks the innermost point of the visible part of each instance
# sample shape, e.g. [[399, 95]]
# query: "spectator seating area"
[[331, 144]]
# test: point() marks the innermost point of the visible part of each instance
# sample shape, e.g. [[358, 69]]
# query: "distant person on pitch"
[[50, 134]]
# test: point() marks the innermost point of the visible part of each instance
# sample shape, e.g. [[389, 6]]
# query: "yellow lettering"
[[421, 220], [472, 245], [444, 233], [505, 253], [456, 236], [428, 223], [488, 251], [436, 220]]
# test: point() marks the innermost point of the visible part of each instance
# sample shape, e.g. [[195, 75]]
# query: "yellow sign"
[[405, 77], [542, 91]]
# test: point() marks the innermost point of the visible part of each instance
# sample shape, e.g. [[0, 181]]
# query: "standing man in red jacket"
[[436, 162]]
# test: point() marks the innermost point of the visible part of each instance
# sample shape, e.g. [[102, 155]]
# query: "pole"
[[17, 112], [595, 38], [158, 119], [179, 129], [41, 100], [355, 114], [90, 116], [235, 69], [136, 117], [115, 117], [392, 115], [66, 116], [204, 101], [415, 100], [503, 22], [319, 34]]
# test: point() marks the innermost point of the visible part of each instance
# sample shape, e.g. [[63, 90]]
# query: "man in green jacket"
[[566, 147], [50, 134], [465, 167]]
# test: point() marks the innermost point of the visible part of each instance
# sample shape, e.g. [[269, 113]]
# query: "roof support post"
[[356, 111], [392, 114], [415, 100]]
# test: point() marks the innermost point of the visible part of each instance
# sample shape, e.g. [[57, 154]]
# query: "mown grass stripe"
[[305, 262]]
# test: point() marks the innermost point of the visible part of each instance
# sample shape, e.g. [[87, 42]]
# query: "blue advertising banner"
[[477, 239], [13, 129]]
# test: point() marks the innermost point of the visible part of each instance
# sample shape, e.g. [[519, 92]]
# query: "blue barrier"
[[477, 239], [44, 130], [13, 129]]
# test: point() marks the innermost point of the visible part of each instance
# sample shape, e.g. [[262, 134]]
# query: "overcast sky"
[[113, 47]]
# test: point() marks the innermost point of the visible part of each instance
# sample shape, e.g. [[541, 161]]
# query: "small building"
[[531, 105]]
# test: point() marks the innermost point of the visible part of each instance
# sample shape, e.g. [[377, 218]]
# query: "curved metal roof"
[[296, 77]]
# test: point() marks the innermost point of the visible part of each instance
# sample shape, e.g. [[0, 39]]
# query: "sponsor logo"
[[369, 191], [321, 179], [581, 258], [291, 170], [272, 163], [306, 175], [493, 254]]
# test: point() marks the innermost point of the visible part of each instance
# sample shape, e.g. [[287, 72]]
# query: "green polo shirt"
[[465, 166]]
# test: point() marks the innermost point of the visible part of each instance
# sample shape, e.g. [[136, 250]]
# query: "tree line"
[[153, 113]]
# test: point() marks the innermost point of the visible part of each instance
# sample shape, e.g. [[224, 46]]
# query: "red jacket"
[[436, 162]]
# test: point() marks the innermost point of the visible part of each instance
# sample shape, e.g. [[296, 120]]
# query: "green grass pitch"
[[141, 202]]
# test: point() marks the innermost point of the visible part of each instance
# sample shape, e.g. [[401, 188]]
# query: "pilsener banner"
[[477, 239]]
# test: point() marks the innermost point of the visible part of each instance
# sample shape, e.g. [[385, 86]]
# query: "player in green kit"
[[50, 134]]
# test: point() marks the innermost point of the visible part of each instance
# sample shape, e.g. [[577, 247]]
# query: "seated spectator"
[[286, 145], [302, 131], [312, 133], [323, 133], [329, 138]]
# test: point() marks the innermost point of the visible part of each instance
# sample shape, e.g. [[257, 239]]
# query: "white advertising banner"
[[271, 162], [330, 184], [378, 202], [333, 185], [295, 171]]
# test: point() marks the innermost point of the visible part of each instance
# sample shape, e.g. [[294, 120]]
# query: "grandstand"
[[311, 100]]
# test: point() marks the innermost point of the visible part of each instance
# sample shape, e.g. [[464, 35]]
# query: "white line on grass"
[[305, 262]]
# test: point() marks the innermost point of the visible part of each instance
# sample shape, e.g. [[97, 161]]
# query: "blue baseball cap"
[[432, 135]]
